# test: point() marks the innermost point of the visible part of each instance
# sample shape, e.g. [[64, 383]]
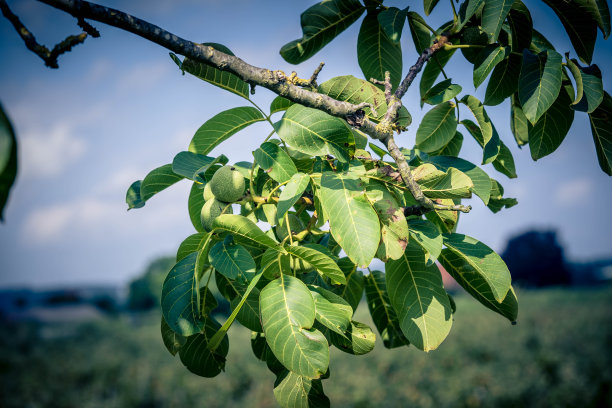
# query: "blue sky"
[[119, 107]]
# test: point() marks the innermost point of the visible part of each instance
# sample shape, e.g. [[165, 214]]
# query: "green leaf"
[[383, 315], [194, 204], [296, 391], [248, 311], [198, 357], [132, 196], [158, 180], [427, 235], [477, 286], [291, 194], [394, 229], [187, 164], [273, 263], [208, 302], [331, 310], [245, 231], [392, 22], [452, 148], [521, 26], [477, 258], [352, 291], [378, 151], [552, 127], [274, 161], [539, 82], [601, 13], [602, 133], [287, 313], [173, 341], [441, 92], [377, 53], [421, 36], [180, 300], [315, 133], [438, 184], [321, 23], [8, 162], [518, 123], [473, 35], [429, 5], [445, 220], [504, 162], [497, 201], [504, 81], [486, 60], [419, 299], [280, 104], [579, 25], [353, 222], [359, 339], [232, 261], [355, 90], [433, 68], [222, 79], [482, 183], [222, 126], [493, 16], [490, 137], [318, 260], [437, 127], [466, 11], [190, 244], [589, 86]]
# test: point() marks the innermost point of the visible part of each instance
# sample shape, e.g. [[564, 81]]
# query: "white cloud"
[[574, 192], [47, 153]]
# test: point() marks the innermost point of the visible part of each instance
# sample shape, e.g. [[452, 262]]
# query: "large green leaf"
[[493, 16], [421, 36], [158, 180], [287, 313], [180, 299], [474, 256], [321, 23], [466, 11], [292, 390], [245, 231], [383, 315], [197, 356], [477, 286], [437, 127], [539, 82], [248, 311], [188, 164], [208, 73], [274, 161], [419, 299], [173, 341], [8, 160], [356, 90], [320, 261], [352, 220], [490, 138], [504, 80], [313, 132], [482, 183], [486, 60], [589, 86], [504, 162], [392, 22], [291, 194], [452, 148], [521, 26], [601, 13], [359, 339], [439, 184], [194, 206], [352, 291], [441, 92], [579, 25], [429, 5], [331, 310], [428, 236], [190, 244], [232, 261], [602, 133], [222, 126], [552, 127], [377, 53], [279, 104]]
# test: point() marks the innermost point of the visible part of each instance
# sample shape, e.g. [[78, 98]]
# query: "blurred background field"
[[558, 355]]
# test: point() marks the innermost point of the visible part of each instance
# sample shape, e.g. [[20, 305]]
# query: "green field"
[[558, 355]]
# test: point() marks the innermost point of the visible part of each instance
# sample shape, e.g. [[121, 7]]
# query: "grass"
[[559, 355]]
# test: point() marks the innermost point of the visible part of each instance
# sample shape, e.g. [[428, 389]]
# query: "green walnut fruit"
[[211, 210], [295, 224], [208, 195], [227, 184]]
